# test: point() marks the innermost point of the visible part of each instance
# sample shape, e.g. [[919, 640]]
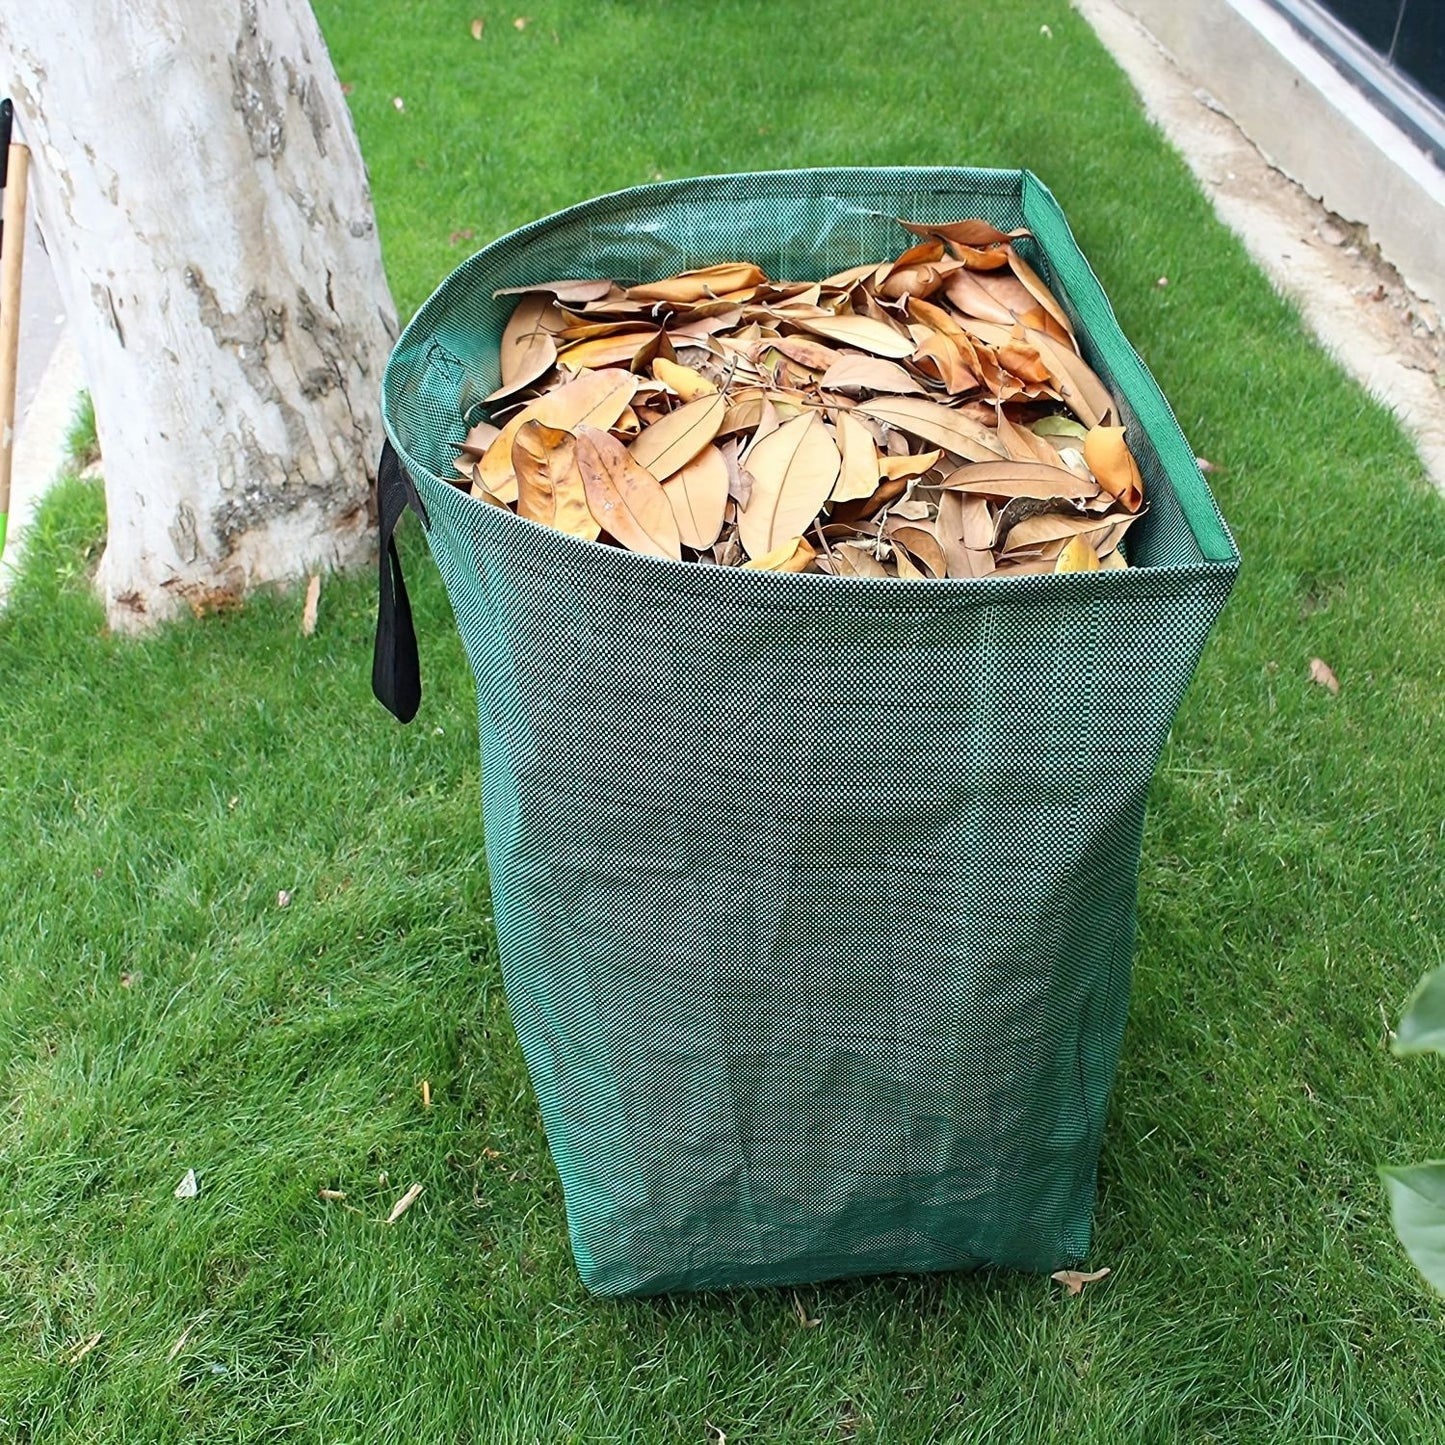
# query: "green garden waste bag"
[[814, 896]]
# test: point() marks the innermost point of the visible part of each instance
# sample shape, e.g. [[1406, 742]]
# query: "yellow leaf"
[[686, 381], [793, 472], [625, 498], [858, 476], [698, 493], [912, 464], [1077, 556], [1107, 455], [794, 555], [671, 443]]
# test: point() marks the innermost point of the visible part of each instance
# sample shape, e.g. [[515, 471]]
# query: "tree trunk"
[[207, 211]]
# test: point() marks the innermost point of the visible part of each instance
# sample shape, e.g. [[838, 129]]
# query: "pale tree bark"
[[207, 211]]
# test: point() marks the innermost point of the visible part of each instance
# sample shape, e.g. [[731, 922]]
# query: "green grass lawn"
[[160, 1010]]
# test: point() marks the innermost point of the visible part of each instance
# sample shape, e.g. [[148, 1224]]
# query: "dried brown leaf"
[[625, 498], [404, 1203], [858, 476], [922, 544], [1108, 457], [668, 445], [933, 422], [1077, 556], [878, 338], [1074, 1280], [595, 398], [549, 480], [312, 603], [794, 469], [964, 233], [708, 281], [698, 493], [529, 346], [1020, 479]]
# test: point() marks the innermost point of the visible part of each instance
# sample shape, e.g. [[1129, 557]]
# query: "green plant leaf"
[[1417, 1210], [1422, 1028]]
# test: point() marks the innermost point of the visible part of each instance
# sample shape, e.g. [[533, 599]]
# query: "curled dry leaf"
[[1074, 1280], [1077, 556], [1322, 673], [549, 480], [1113, 466], [596, 398], [404, 1203]]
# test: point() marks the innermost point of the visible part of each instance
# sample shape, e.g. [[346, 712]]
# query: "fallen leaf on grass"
[[804, 1318], [180, 1344], [1322, 673], [478, 25], [313, 601], [426, 1093], [77, 1353], [1074, 1280], [404, 1203], [283, 898], [187, 1188], [331, 1194]]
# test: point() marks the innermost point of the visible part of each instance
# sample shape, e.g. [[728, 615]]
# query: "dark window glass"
[[1372, 20], [1420, 47]]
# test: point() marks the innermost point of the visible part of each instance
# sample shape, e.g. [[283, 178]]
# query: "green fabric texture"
[[814, 896]]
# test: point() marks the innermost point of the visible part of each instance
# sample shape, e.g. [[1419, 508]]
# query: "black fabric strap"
[[395, 666]]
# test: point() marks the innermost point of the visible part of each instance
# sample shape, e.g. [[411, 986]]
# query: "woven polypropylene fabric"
[[814, 896]]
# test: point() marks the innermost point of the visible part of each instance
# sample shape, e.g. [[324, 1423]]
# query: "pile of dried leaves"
[[929, 416]]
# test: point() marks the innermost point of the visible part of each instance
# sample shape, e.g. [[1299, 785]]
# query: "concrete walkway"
[[1388, 338]]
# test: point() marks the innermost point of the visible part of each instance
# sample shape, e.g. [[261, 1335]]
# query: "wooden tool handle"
[[16, 172]]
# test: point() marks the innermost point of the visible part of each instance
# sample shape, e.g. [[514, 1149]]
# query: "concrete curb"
[[40, 450]]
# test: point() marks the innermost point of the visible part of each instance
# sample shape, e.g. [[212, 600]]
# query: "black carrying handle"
[[395, 665]]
